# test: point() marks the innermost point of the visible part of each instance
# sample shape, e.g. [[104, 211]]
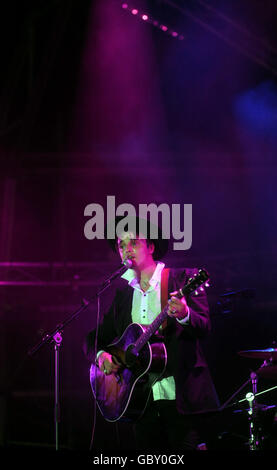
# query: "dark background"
[[96, 102]]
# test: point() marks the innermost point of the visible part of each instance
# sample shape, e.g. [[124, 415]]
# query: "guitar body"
[[124, 396]]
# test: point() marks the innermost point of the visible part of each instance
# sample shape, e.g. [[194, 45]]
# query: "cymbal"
[[269, 353], [259, 406]]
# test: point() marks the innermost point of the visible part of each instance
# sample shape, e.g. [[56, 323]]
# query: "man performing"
[[182, 396]]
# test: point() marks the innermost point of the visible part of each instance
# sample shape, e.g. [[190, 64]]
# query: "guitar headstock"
[[195, 282]]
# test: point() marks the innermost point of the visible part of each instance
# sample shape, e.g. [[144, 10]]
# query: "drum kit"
[[267, 371]]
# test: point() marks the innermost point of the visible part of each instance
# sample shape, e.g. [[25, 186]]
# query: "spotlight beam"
[[239, 38]]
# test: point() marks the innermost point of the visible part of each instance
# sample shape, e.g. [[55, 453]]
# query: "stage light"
[[154, 22]]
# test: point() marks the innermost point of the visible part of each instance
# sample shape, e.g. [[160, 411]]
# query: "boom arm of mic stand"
[[49, 337]]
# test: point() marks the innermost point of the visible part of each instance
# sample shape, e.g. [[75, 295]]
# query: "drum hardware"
[[259, 406], [267, 370], [254, 428], [256, 438], [261, 393]]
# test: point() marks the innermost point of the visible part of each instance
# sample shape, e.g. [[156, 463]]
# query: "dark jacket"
[[195, 390]]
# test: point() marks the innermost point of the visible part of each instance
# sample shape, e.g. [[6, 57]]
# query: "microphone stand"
[[55, 337]]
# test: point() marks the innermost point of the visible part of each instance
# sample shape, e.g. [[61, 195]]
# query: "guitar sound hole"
[[131, 358]]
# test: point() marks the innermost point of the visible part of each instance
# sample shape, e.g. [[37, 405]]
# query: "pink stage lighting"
[[154, 22]]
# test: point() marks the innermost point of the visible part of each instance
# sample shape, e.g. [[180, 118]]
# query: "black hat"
[[137, 225]]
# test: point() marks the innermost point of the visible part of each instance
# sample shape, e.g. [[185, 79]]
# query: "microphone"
[[127, 264]]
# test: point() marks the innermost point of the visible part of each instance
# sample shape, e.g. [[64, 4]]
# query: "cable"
[[95, 354]]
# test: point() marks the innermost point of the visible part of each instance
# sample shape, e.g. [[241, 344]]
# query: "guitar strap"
[[164, 292]]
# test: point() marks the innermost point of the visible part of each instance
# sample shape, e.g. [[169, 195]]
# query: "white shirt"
[[145, 308]]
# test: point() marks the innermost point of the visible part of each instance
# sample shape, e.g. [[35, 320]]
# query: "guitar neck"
[[193, 283], [142, 340]]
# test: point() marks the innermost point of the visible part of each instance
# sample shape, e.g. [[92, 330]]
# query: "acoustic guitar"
[[143, 358]]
